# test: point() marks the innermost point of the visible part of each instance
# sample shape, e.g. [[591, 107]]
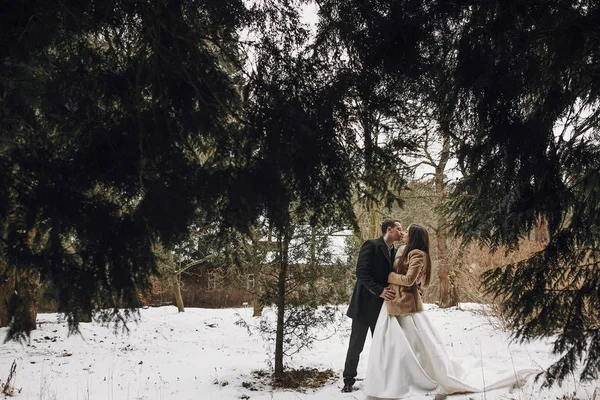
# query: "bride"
[[407, 356]]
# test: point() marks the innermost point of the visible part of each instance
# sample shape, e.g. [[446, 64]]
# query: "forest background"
[[146, 140]]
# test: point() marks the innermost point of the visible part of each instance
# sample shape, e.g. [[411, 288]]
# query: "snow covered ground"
[[204, 354]]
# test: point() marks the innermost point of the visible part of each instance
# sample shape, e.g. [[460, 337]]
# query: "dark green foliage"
[[379, 48], [527, 70], [304, 325], [124, 123], [504, 79], [307, 157], [314, 280], [112, 124], [295, 133]]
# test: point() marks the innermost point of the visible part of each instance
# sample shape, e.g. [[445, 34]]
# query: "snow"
[[204, 354]]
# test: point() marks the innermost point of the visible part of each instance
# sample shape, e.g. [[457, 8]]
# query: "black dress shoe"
[[347, 388]]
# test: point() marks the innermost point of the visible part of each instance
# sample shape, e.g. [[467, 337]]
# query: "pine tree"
[[527, 122], [307, 156], [115, 126], [125, 123], [515, 86]]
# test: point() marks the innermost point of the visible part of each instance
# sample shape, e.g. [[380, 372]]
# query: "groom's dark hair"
[[387, 223]]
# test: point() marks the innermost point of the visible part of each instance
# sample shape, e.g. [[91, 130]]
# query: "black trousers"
[[358, 335]]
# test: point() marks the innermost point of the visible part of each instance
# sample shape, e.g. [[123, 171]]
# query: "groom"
[[375, 261]]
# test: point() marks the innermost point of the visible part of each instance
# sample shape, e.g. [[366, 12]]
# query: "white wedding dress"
[[408, 359]]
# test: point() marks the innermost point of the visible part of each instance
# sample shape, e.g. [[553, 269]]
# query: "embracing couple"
[[407, 356]]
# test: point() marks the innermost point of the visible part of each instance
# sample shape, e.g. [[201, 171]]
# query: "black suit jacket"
[[372, 270]]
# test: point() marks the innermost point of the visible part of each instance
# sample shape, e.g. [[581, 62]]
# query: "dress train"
[[408, 358]]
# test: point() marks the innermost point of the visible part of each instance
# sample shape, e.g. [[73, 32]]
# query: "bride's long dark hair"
[[418, 238]]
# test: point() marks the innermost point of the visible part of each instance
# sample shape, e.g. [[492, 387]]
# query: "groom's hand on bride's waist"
[[388, 294]]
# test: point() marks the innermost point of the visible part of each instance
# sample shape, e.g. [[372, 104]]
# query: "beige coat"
[[408, 300]]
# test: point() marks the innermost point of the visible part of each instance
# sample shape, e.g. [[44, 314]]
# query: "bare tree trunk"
[[446, 297], [19, 299], [370, 226], [374, 225], [32, 284], [177, 292], [541, 232], [7, 279], [443, 266], [7, 290], [174, 276], [369, 124], [283, 267], [85, 317], [257, 308]]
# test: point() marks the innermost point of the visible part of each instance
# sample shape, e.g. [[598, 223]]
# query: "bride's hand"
[[388, 294]]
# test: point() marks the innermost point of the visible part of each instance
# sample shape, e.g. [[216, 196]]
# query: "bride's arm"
[[416, 260]]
